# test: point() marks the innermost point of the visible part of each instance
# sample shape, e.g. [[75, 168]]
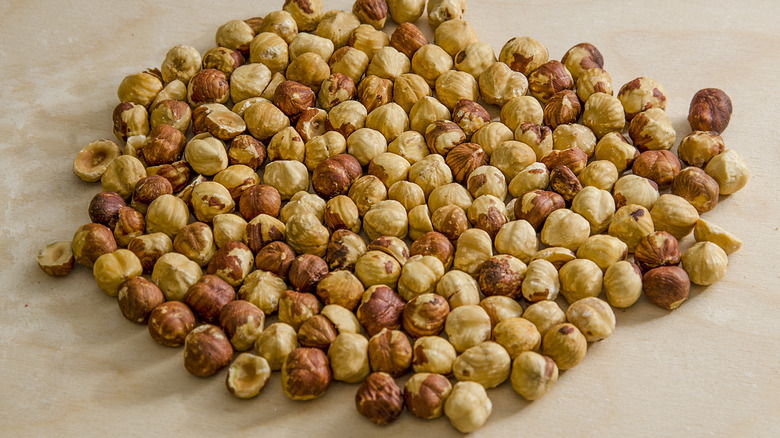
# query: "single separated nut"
[[306, 374], [623, 284], [667, 286], [468, 406], [487, 363], [247, 375], [275, 343], [93, 160], [708, 232], [56, 259], [379, 399], [91, 241], [729, 170], [565, 344], [710, 110], [705, 263], [533, 375]]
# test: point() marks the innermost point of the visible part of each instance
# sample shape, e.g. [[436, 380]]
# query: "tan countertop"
[[71, 365]]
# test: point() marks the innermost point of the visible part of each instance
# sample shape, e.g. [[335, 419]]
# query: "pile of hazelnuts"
[[393, 208]]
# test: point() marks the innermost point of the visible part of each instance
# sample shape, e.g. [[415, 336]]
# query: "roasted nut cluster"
[[393, 208]]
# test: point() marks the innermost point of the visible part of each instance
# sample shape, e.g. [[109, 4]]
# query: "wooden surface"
[[71, 365]]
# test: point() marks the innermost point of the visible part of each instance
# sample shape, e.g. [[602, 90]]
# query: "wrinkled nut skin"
[[259, 199], [407, 39], [242, 322], [379, 398], [335, 175], [344, 249], [389, 351], [381, 308], [451, 221], [306, 271], [442, 135], [104, 208], [501, 275], [137, 298], [296, 307], [548, 79], [470, 116], [562, 108], [206, 351], [434, 244], [464, 158], [564, 182], [710, 110], [374, 92], [581, 58], [536, 205], [232, 263], [660, 167], [164, 145], [657, 249], [565, 344], [696, 187], [667, 286], [293, 98], [317, 332], [306, 374], [425, 315], [336, 89], [276, 258], [148, 189], [170, 323], [177, 174], [208, 86], [92, 241], [207, 296], [574, 158], [425, 394]]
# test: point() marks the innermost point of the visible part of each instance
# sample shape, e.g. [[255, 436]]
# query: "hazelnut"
[[657, 249], [140, 88], [675, 215], [425, 394], [389, 351], [341, 288], [288, 177], [517, 238], [306, 374], [150, 247], [430, 61], [263, 289], [303, 202], [206, 154], [544, 315], [275, 343], [373, 12], [335, 175], [666, 286], [408, 39], [380, 308], [613, 147], [208, 86], [474, 247], [710, 110], [196, 242], [232, 262], [699, 147], [603, 250], [641, 94], [293, 98], [464, 158], [474, 58], [601, 174], [344, 250], [452, 86], [92, 241], [523, 54], [366, 192], [603, 113], [729, 170], [174, 274], [207, 296], [379, 398], [556, 255], [368, 39], [705, 231], [337, 26], [347, 117], [562, 108], [130, 120], [242, 322], [247, 375], [652, 130], [276, 258], [223, 59], [633, 189], [517, 335], [322, 147], [93, 160], [210, 199], [433, 354], [426, 111], [348, 355], [409, 194], [499, 84], [596, 206], [137, 298], [112, 269], [262, 230], [170, 323], [434, 244], [341, 213], [533, 375], [565, 228], [565, 344], [459, 288], [467, 326], [593, 80], [419, 221], [581, 58], [451, 221], [235, 35], [174, 90], [336, 89], [574, 135], [541, 281], [259, 199], [468, 406], [500, 308], [254, 23], [376, 267], [390, 120], [440, 11], [574, 158], [501, 275], [425, 314], [623, 284], [487, 363], [580, 278], [454, 36], [269, 49], [206, 351], [310, 70], [593, 317], [295, 308], [389, 168], [104, 208], [307, 235], [521, 110], [386, 218], [181, 63], [565, 183], [470, 116], [391, 245], [121, 175], [177, 174], [306, 271], [487, 180], [534, 177], [306, 13], [56, 259], [548, 79], [402, 11], [350, 62], [705, 263], [264, 120], [511, 157], [631, 223], [148, 189]]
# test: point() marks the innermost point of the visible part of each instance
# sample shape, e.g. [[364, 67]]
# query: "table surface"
[[70, 364]]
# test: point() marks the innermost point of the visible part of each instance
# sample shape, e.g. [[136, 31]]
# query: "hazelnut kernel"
[[379, 399], [170, 323], [306, 374], [666, 286]]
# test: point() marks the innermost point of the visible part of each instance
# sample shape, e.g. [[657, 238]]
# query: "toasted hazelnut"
[[275, 343], [708, 232], [262, 230], [657, 249], [603, 250], [174, 90], [344, 250], [207, 296], [556, 255], [453, 86], [275, 257], [389, 351], [310, 70], [379, 398], [390, 120], [517, 238], [603, 113], [306, 42], [463, 158], [433, 354], [206, 351], [307, 235], [533, 375], [487, 180], [389, 168], [631, 223], [541, 281], [391, 245], [473, 249], [459, 288], [376, 267], [264, 120], [306, 374], [430, 61], [487, 363], [287, 176], [517, 335], [386, 218], [565, 344], [306, 271], [242, 323], [92, 241], [613, 147], [235, 35], [596, 206], [372, 12], [374, 92], [347, 117], [623, 284], [467, 326], [306, 13], [336, 89], [535, 207], [500, 308], [652, 130], [565, 183], [112, 269], [130, 119], [259, 199], [137, 298], [348, 355], [341, 213], [574, 158], [303, 202], [177, 174], [659, 166], [341, 288], [454, 36], [425, 394], [292, 97], [366, 192], [148, 189], [140, 88], [710, 110], [56, 259], [402, 11], [440, 11], [419, 276], [563, 107], [699, 147], [409, 194], [247, 375], [468, 406], [174, 273], [337, 26], [419, 221], [208, 86], [223, 59], [523, 54], [581, 58], [633, 189], [521, 110], [350, 62], [150, 247], [601, 174], [641, 94], [121, 175], [593, 317], [210, 199], [426, 111], [196, 242], [574, 135], [269, 49], [501, 275], [380, 308], [534, 177], [408, 39], [705, 263], [548, 79], [181, 62], [368, 39], [295, 308], [499, 84], [666, 286], [104, 208], [206, 154], [729, 170], [232, 262], [425, 315], [451, 221], [434, 244], [593, 80], [170, 323], [322, 147], [475, 58], [675, 215]]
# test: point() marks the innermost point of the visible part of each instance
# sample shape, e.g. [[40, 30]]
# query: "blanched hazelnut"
[[223, 59], [729, 170], [174, 90], [440, 11], [366, 192], [574, 135], [633, 189], [180, 63], [430, 61], [523, 54], [365, 144], [264, 120], [337, 26], [708, 232], [565, 228], [596, 206], [652, 130], [452, 194], [170, 323], [426, 111], [419, 276], [344, 250], [388, 63], [409, 194], [541, 281], [581, 58], [368, 39], [459, 288], [308, 69], [487, 180], [580, 278], [452, 86], [544, 315], [246, 150], [434, 244], [564, 344], [705, 263], [112, 269], [206, 351], [389, 119], [499, 84], [604, 250], [386, 218], [468, 406], [306, 13], [675, 215], [380, 309], [699, 147], [379, 398], [533, 375], [210, 199], [206, 154], [150, 247], [631, 223], [242, 323], [376, 267], [623, 284], [137, 297], [500, 308], [235, 35], [121, 175], [534, 177], [391, 245], [140, 88], [269, 49], [487, 363], [517, 335], [556, 255], [548, 79], [641, 94], [275, 343], [601, 174], [306, 234], [593, 317], [402, 11], [347, 117], [425, 315], [603, 113], [341, 213], [306, 374], [454, 36], [306, 42], [348, 355], [419, 221], [474, 58], [467, 326], [473, 249], [174, 273], [517, 238], [389, 168], [322, 147], [593, 80], [288, 177], [336, 89], [263, 289], [433, 354], [520, 110], [350, 62]]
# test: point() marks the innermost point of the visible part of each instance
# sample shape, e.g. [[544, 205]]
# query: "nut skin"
[[381, 308], [232, 262], [451, 221], [177, 174], [562, 108], [389, 351], [223, 59], [652, 130], [259, 199], [564, 344], [574, 158], [374, 92], [317, 332], [206, 351], [434, 244], [470, 116], [373, 12], [696, 187], [581, 58], [379, 398], [208, 86], [548, 79], [104, 208], [464, 158], [296, 307], [659, 166], [242, 323], [564, 182], [335, 175], [407, 39], [667, 286], [425, 314], [344, 249], [657, 249], [276, 257], [336, 89], [293, 98], [501, 275], [148, 189], [523, 54], [245, 149], [196, 242], [92, 241], [536, 205], [306, 374], [699, 147], [130, 119], [207, 296], [425, 394], [137, 298], [163, 145], [710, 110], [170, 323], [306, 271], [641, 94]]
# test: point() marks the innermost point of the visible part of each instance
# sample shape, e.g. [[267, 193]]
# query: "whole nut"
[[581, 58], [474, 247], [545, 315], [306, 271], [564, 344], [409, 194], [596, 206], [275, 257], [564, 182], [603, 113], [150, 247], [242, 323], [275, 343], [206, 351], [641, 94], [271, 49], [348, 355], [137, 298], [380, 308], [468, 406], [633, 189], [602, 174], [148, 189], [652, 130], [487, 363], [181, 62], [92, 241], [675, 215], [657, 249], [699, 147], [170, 323], [223, 59], [572, 135], [208, 86], [368, 40], [264, 120], [303, 202], [459, 288], [336, 89], [259, 199], [563, 107], [425, 394], [56, 259], [487, 180], [306, 374], [391, 245], [631, 223], [374, 92], [475, 58], [288, 177], [440, 11], [196, 242], [425, 314], [430, 61], [705, 263], [501, 275], [247, 375], [342, 213], [453, 86], [520, 110], [379, 398], [344, 250], [565, 228], [623, 284], [534, 177], [523, 54], [386, 218], [389, 168], [541, 281], [366, 192], [373, 12], [574, 158], [174, 273], [177, 174], [293, 98], [341, 288], [365, 144], [306, 13], [533, 375], [350, 62], [419, 221], [434, 244], [232, 262], [307, 235], [593, 80], [206, 154], [337, 26], [402, 11], [433, 354], [389, 351], [517, 335], [407, 39], [604, 250], [463, 158], [501, 308], [322, 147], [614, 147], [729, 170], [710, 110], [426, 111], [593, 317], [140, 88], [548, 79], [580, 278], [335, 175], [517, 238], [667, 286], [499, 84], [467, 326], [104, 208], [207, 296], [419, 276], [470, 116], [455, 35], [121, 175]]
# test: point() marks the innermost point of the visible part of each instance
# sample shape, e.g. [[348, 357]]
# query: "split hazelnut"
[[56, 259], [729, 170], [247, 375], [93, 160]]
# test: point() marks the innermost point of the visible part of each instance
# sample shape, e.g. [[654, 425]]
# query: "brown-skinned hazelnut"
[[262, 230], [434, 244], [137, 298], [148, 189], [246, 150], [374, 92], [259, 199], [657, 249], [563, 107], [208, 86], [501, 275], [536, 205], [464, 158], [581, 58], [710, 110], [92, 241], [407, 39], [659, 166], [373, 12], [207, 296], [574, 158], [242, 323], [130, 119], [699, 147], [306, 271], [306, 374], [223, 59], [666, 286], [196, 242], [450, 220], [335, 175], [336, 89], [104, 208], [380, 308], [564, 182], [293, 98], [379, 398], [341, 288], [425, 393], [129, 225], [232, 262], [389, 351], [177, 174], [696, 187], [170, 323], [652, 130], [317, 332], [276, 257], [548, 79], [425, 315]]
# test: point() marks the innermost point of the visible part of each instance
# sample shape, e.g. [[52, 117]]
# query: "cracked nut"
[[247, 375]]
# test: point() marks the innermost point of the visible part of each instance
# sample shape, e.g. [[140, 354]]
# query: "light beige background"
[[70, 365]]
